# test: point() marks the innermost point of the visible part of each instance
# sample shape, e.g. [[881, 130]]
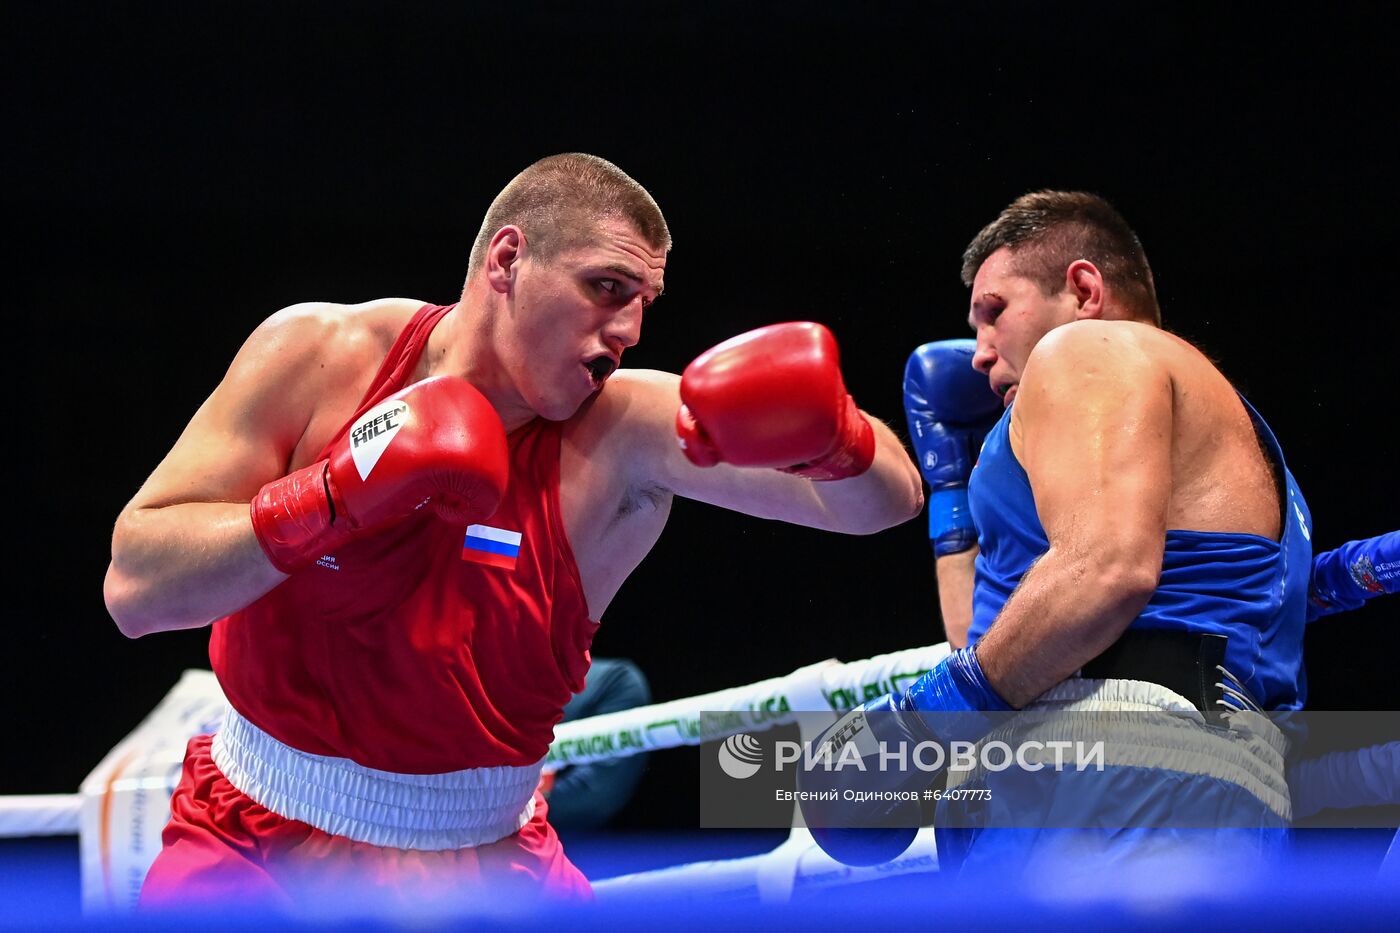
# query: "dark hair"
[[559, 201], [1048, 230]]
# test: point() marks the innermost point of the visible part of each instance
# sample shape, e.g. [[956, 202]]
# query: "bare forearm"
[[1066, 611], [183, 566], [887, 494], [956, 574]]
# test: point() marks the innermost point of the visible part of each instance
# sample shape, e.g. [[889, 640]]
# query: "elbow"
[[912, 504], [906, 498], [898, 507], [892, 494], [119, 608], [141, 606], [911, 499], [909, 504], [124, 590], [1114, 566], [1125, 585], [122, 606]]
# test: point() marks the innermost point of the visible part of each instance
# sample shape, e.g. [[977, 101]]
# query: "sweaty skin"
[[1124, 431], [530, 335]]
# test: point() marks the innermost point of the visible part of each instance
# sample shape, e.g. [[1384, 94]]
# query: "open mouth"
[[599, 369]]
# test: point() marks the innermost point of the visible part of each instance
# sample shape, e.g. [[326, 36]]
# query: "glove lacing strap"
[[1236, 696]]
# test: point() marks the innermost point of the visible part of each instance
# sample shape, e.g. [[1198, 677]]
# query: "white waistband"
[[1249, 752], [401, 811]]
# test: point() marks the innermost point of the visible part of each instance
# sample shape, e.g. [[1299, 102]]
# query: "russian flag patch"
[[494, 547]]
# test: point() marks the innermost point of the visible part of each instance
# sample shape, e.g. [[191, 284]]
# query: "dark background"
[[176, 173]]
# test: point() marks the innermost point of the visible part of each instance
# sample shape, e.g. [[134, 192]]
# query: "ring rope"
[[825, 685]]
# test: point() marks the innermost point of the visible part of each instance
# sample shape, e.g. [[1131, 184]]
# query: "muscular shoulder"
[[322, 340], [301, 367], [627, 409], [628, 400], [1091, 366], [1087, 347], [624, 421], [1134, 352]]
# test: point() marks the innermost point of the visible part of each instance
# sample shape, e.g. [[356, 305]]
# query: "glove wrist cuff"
[[950, 525], [695, 443], [956, 684], [293, 518], [852, 454]]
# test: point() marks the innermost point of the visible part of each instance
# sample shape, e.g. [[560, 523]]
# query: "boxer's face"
[[1010, 313], [576, 312]]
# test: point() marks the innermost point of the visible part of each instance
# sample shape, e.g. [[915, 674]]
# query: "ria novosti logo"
[[740, 756]]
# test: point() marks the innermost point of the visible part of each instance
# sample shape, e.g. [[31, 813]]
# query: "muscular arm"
[[183, 550], [1092, 427], [888, 493]]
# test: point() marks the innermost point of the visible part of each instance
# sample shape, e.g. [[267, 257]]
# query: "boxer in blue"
[[950, 408], [1142, 544]]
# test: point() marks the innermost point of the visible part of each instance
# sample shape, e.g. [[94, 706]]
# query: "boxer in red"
[[443, 499]]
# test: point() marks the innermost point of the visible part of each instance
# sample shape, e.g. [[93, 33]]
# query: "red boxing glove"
[[774, 398], [436, 442]]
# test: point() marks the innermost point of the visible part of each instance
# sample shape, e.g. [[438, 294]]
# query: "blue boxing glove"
[[859, 794], [950, 407], [1346, 577]]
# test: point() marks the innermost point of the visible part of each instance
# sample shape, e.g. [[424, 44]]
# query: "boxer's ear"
[[503, 256], [1084, 281]]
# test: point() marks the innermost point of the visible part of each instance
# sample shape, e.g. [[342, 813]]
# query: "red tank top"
[[426, 647]]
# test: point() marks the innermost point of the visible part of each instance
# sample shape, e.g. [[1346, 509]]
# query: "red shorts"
[[220, 845]]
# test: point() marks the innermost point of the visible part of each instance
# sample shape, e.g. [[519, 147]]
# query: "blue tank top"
[[1250, 588]]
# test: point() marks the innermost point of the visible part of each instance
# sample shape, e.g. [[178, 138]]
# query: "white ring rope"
[[826, 685], [39, 815], [125, 801]]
